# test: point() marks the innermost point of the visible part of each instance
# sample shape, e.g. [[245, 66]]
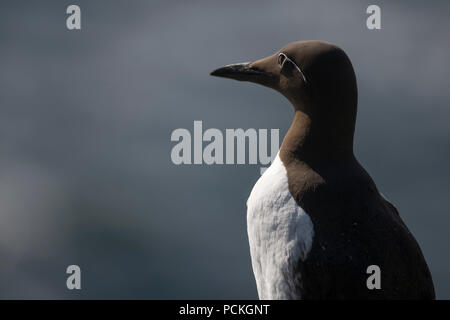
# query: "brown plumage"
[[354, 226]]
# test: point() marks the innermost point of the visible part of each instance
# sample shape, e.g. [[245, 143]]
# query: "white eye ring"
[[282, 58]]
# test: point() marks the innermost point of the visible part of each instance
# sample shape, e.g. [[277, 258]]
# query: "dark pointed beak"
[[242, 72]]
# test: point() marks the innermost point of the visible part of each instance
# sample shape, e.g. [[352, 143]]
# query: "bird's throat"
[[308, 141]]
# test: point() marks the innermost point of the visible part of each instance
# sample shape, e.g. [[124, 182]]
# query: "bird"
[[315, 219]]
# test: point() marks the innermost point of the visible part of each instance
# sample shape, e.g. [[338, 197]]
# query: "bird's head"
[[317, 77]]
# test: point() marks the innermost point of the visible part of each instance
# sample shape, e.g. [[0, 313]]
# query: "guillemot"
[[316, 220]]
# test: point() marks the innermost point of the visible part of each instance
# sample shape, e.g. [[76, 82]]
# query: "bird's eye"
[[281, 58]]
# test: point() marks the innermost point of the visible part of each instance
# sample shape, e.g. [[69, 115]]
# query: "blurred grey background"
[[86, 117]]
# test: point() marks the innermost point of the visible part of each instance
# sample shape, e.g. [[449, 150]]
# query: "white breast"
[[280, 234]]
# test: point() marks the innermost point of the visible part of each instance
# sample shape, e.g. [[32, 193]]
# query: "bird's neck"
[[308, 140]]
